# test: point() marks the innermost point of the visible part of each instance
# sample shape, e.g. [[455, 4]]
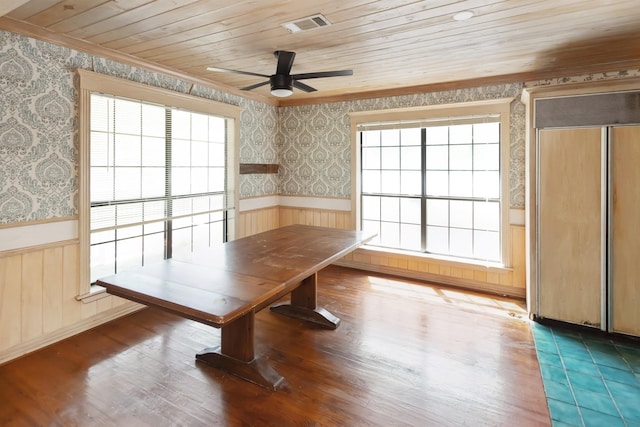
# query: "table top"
[[218, 285]]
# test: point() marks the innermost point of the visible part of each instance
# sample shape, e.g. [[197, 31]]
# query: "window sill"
[[95, 293], [440, 259]]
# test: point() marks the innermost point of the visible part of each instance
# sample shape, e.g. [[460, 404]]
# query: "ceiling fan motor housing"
[[281, 81]]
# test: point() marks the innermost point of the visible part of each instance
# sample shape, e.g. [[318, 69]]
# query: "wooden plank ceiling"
[[392, 46]]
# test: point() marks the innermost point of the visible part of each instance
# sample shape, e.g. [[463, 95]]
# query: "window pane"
[[410, 237], [438, 135], [371, 158], [486, 216], [410, 211], [127, 150], [128, 183], [153, 182], [371, 182], [461, 214], [153, 247], [390, 234], [438, 157], [153, 120], [199, 127], [101, 149], [390, 182], [486, 185], [371, 207], [180, 181], [180, 124], [216, 154], [461, 242], [411, 136], [217, 129], [370, 138], [460, 157], [372, 227], [180, 152], [460, 134], [437, 183], [390, 137], [129, 254], [487, 245], [437, 240], [199, 153], [486, 157], [390, 158], [216, 179], [103, 260], [411, 182], [128, 117], [411, 158], [461, 184], [486, 133], [199, 180], [390, 209], [153, 151], [101, 184], [438, 212]]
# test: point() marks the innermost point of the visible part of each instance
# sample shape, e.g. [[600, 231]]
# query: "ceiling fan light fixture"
[[281, 85], [281, 92]]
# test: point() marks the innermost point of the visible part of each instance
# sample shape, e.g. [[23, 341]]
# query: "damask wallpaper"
[[39, 135], [314, 140], [39, 127]]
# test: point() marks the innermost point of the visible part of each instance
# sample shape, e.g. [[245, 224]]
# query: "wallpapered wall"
[[39, 135], [314, 140], [39, 127]]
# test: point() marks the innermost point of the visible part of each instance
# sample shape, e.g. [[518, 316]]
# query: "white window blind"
[[158, 182]]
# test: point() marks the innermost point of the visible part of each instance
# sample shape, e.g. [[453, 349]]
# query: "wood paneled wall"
[[39, 286], [500, 280], [38, 299]]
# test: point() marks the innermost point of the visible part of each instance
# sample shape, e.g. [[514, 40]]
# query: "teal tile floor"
[[590, 379]]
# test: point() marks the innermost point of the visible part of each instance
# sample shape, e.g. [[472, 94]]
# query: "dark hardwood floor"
[[405, 354]]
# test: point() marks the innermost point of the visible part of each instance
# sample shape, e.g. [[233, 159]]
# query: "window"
[[160, 175], [434, 184]]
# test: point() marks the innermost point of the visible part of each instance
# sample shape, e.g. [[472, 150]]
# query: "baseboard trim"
[[30, 346], [471, 285]]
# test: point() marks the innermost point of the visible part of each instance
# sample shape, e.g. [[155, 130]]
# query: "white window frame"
[[95, 82], [501, 107]]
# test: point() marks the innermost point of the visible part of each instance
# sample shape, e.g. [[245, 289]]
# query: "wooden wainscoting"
[[258, 220], [319, 217], [499, 280], [38, 299]]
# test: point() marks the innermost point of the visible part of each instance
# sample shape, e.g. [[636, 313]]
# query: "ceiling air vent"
[[308, 23]]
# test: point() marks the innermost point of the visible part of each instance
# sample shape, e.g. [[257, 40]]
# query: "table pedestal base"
[[256, 371], [318, 315]]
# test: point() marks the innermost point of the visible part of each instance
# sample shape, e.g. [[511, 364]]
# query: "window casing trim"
[[501, 107], [96, 82]]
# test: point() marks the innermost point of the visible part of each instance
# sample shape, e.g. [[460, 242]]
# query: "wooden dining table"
[[225, 287]]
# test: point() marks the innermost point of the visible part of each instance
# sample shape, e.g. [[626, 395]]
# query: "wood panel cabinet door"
[[570, 225], [625, 235]]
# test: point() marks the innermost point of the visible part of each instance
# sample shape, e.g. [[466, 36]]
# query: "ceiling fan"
[[282, 82]]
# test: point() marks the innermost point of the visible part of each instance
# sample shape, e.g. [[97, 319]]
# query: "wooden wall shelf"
[[247, 168]]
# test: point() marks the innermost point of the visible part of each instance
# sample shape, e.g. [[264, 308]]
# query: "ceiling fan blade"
[[255, 85], [303, 86], [322, 74], [285, 61], [225, 70]]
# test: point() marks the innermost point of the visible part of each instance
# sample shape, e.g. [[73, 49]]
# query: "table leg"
[[303, 305], [236, 355]]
